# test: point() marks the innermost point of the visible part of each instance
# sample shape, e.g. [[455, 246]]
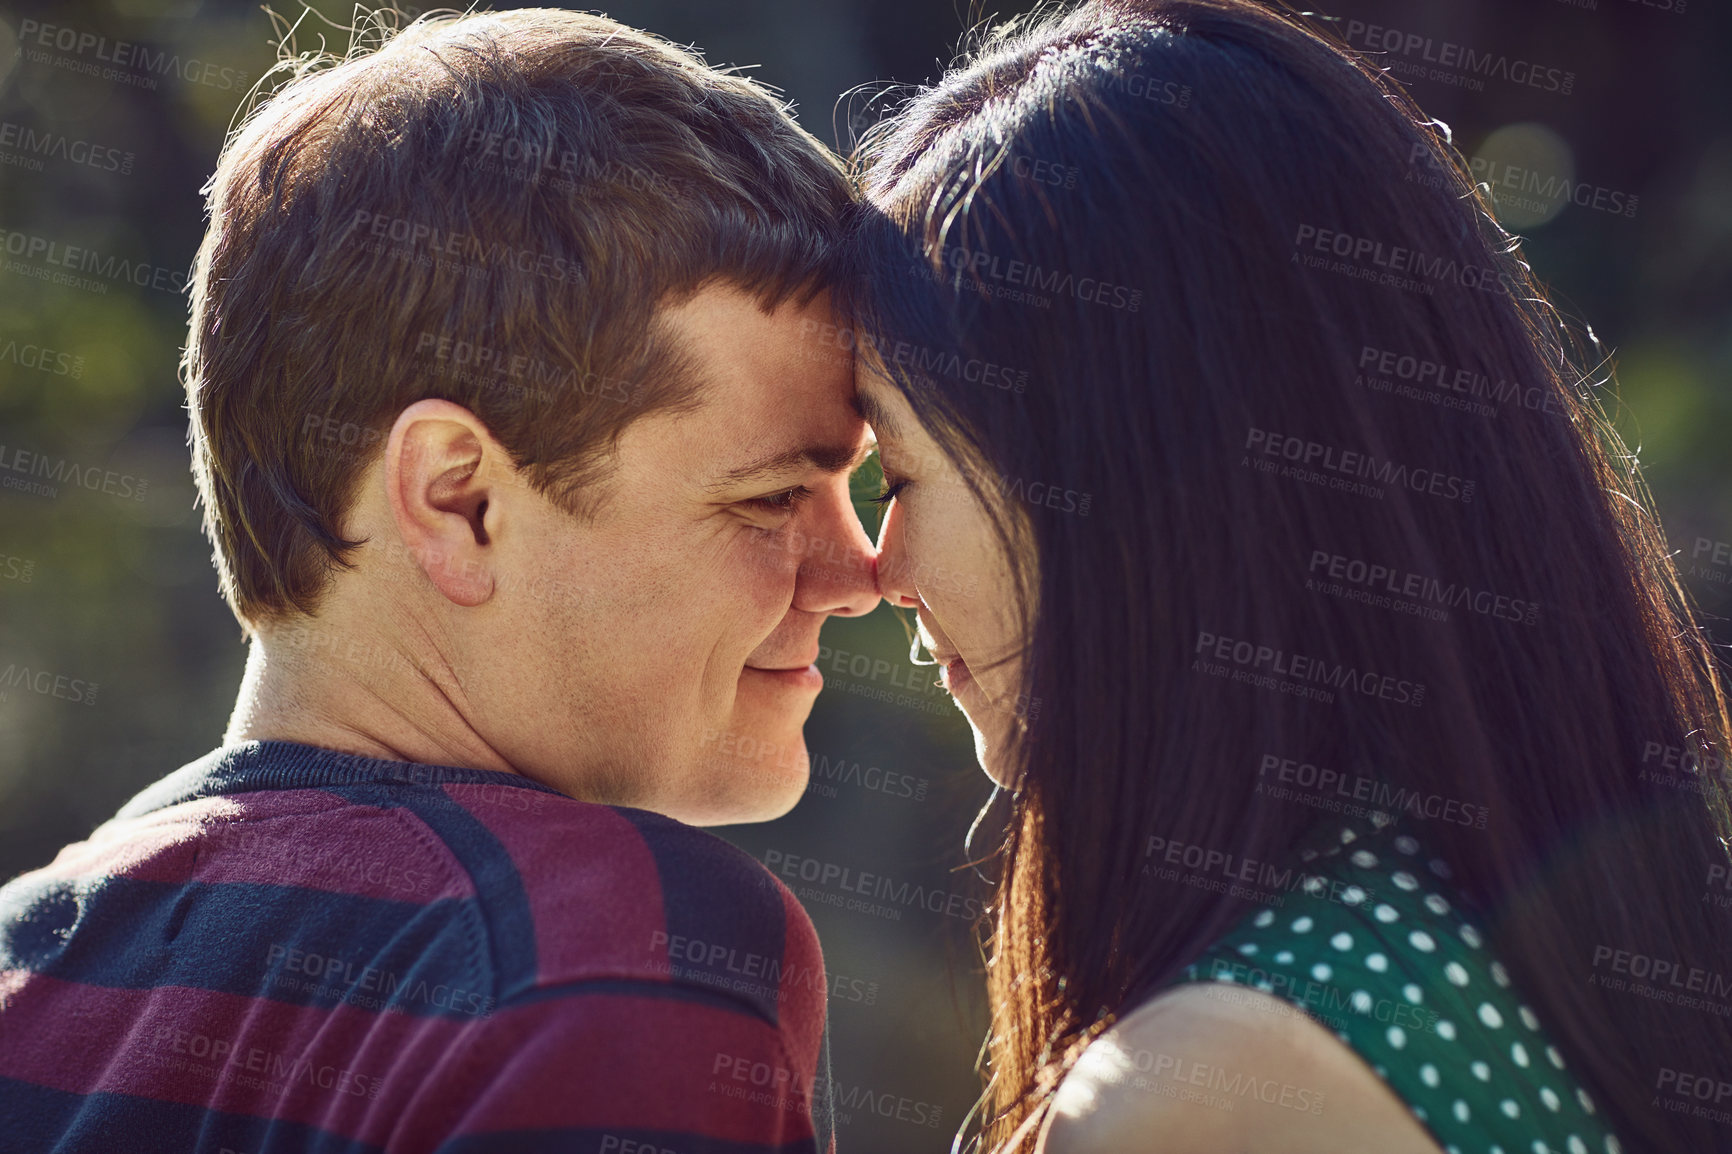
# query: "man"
[[510, 453]]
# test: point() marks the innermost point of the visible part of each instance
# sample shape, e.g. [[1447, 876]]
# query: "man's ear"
[[444, 473]]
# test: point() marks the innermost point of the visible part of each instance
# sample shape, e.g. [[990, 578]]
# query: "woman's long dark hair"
[[1138, 210]]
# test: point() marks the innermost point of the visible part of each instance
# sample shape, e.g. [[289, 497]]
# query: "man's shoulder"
[[614, 892], [1204, 1067]]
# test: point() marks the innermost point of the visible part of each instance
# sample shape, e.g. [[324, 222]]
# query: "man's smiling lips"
[[790, 676]]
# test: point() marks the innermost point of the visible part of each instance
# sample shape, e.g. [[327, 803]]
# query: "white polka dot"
[[1406, 844], [1419, 1112], [1322, 972], [1361, 1002], [1352, 896], [1313, 886], [1499, 974], [1554, 1057], [1540, 1147], [1436, 904], [1508, 1106], [1495, 1149], [1263, 918], [1613, 1146], [1471, 936], [1404, 880], [1263, 985], [1307, 855], [1441, 869], [1445, 1029], [1225, 976], [1489, 1015], [1342, 941], [1348, 835], [1247, 948], [1587, 1102], [1413, 993], [1376, 963], [1302, 925], [1462, 1113], [1364, 859], [1576, 1145], [1481, 1071], [1456, 973], [1519, 1053], [1285, 957], [1385, 912], [1397, 1037], [1550, 1097], [1428, 1074], [1422, 941], [1528, 1018]]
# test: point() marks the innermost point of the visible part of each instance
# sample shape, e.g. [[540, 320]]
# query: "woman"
[[1333, 640]]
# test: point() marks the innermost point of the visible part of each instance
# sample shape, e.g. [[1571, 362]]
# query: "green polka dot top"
[[1371, 944]]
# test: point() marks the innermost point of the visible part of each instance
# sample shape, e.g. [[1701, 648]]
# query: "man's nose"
[[838, 574]]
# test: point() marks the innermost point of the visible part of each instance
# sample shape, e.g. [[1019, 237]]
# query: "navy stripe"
[[259, 765], [725, 906], [504, 900], [40, 1120], [617, 1141], [237, 938]]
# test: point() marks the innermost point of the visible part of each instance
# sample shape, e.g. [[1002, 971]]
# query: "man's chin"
[[751, 774]]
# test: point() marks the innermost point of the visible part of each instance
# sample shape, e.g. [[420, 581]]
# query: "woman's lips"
[[955, 675]]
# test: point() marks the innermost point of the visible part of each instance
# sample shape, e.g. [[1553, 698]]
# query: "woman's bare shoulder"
[[1209, 1067]]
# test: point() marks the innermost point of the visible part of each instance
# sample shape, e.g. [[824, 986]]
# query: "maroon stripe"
[[593, 888], [615, 1060]]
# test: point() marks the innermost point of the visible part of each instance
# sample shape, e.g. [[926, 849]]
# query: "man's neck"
[[366, 697]]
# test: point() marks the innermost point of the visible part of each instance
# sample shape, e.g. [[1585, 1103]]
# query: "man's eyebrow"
[[825, 458], [876, 415]]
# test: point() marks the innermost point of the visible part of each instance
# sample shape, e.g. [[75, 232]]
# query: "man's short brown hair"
[[486, 209]]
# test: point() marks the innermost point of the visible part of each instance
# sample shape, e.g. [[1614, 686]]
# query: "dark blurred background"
[[108, 585]]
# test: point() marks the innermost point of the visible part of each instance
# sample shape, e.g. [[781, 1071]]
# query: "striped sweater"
[[281, 948]]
